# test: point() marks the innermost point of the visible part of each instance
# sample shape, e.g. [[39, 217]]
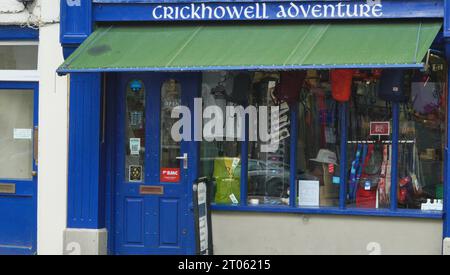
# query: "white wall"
[[53, 123], [53, 104], [254, 233], [13, 12]]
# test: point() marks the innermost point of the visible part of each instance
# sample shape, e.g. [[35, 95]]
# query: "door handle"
[[34, 173], [36, 145], [184, 158]]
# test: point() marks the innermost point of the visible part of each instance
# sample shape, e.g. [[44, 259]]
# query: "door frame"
[[18, 85], [110, 99]]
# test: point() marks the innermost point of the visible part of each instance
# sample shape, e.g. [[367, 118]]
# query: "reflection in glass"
[[423, 124], [318, 143], [135, 132], [220, 159], [16, 138], [170, 149], [269, 170], [18, 57]]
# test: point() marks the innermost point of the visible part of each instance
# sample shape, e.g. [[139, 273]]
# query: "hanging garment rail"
[[383, 142]]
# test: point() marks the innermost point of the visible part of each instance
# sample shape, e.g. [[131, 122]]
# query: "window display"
[[221, 154], [369, 147], [395, 121], [269, 172], [422, 122], [318, 147]]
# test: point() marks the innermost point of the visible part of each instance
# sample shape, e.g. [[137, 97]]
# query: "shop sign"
[[267, 11], [75, 30], [170, 175], [380, 128]]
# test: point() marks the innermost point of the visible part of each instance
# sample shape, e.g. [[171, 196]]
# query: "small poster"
[[135, 146], [309, 193], [23, 134], [135, 173], [170, 175], [380, 128], [136, 120]]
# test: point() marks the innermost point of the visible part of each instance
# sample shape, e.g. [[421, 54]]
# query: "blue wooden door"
[[155, 170], [18, 167]]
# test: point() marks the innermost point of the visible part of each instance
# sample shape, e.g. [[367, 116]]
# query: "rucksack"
[[341, 84], [290, 85], [241, 89], [392, 85]]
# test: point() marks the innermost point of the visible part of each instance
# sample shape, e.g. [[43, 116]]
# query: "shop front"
[[322, 125]]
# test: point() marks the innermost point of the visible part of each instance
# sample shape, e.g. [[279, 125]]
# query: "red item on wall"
[[367, 197], [341, 84]]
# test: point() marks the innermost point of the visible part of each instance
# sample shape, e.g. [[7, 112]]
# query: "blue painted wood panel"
[[85, 180], [169, 210], [76, 21], [134, 221]]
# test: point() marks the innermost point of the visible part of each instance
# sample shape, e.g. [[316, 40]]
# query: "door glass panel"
[[16, 134], [135, 132], [170, 145], [18, 57]]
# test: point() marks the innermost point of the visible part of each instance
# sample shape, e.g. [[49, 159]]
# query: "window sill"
[[400, 213]]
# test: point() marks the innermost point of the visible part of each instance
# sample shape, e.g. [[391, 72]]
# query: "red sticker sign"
[[170, 175], [380, 128]]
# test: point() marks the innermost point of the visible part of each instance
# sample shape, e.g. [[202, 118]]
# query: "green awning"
[[352, 44]]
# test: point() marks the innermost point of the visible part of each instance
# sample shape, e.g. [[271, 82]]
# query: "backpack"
[[341, 84], [392, 85], [241, 89], [290, 85]]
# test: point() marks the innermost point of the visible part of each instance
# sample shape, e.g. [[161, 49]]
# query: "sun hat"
[[326, 156]]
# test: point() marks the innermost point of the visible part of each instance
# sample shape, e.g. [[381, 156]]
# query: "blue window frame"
[[18, 33], [341, 209]]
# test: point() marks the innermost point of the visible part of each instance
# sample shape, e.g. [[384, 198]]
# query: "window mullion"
[[244, 164], [293, 158], [394, 162], [343, 155]]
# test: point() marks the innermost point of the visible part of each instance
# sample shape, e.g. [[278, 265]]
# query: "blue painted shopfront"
[[138, 224]]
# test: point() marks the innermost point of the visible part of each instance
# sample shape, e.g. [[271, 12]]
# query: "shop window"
[[135, 132], [369, 150], [394, 139], [170, 145], [221, 152], [423, 127], [318, 143], [269, 162], [18, 56]]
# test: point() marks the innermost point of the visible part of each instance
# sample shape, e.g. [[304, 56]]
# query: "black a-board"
[[202, 189]]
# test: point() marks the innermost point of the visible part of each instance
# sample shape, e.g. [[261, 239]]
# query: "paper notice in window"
[[309, 193], [135, 146], [23, 134]]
